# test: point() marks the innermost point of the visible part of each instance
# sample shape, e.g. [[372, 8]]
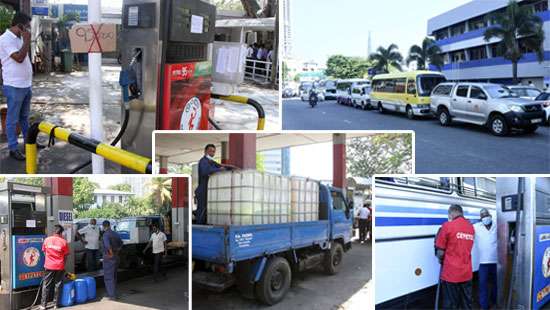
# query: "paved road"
[[461, 148], [349, 289]]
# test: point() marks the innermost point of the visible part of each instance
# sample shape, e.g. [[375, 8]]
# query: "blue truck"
[[260, 259]]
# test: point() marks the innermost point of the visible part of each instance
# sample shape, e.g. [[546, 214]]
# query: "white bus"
[[408, 213], [343, 89]]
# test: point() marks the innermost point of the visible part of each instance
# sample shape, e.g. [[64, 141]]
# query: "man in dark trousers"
[[454, 243], [111, 247], [55, 249], [364, 214], [207, 166], [158, 244]]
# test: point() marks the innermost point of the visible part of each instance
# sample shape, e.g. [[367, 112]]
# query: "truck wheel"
[[444, 117], [333, 259], [275, 281], [410, 112], [498, 126]]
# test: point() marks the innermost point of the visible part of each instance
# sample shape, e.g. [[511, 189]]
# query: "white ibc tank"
[[248, 197], [304, 200]]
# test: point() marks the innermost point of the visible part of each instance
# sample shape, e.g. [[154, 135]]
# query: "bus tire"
[[443, 116], [410, 112], [368, 106], [333, 259], [275, 281], [381, 108]]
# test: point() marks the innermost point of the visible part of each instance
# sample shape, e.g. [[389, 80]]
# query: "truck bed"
[[226, 244]]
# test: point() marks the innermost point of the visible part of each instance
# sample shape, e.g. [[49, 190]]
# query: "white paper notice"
[[31, 224], [196, 23]]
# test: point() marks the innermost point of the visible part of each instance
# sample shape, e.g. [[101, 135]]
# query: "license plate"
[[536, 121]]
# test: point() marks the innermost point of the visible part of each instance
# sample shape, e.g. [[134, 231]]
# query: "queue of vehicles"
[[426, 93]]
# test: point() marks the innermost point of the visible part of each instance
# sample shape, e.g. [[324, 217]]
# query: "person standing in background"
[[486, 247]]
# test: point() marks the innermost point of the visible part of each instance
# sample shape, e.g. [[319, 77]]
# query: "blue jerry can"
[[67, 294], [81, 291]]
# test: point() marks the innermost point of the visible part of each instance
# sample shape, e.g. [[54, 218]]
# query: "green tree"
[[386, 58], [6, 15], [344, 67], [427, 54], [121, 187], [514, 23], [83, 192], [380, 154]]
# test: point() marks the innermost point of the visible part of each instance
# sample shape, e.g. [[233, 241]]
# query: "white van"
[[360, 97]]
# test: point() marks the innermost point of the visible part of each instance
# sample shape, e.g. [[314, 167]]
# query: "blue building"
[[467, 56]]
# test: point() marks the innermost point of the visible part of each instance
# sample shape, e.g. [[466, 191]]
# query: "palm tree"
[[161, 192], [428, 53], [517, 21], [385, 58]]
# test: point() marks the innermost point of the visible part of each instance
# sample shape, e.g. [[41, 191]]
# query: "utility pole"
[[96, 93]]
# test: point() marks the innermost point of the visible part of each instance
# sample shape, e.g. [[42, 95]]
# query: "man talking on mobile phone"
[[17, 76]]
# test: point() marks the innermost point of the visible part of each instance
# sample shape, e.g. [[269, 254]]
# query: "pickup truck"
[[260, 259], [491, 105]]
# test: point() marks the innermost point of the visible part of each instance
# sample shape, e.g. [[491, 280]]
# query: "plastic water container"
[[304, 200], [248, 197], [90, 284], [81, 291], [67, 294]]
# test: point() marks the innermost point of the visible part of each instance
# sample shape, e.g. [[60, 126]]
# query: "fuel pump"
[[165, 52], [523, 206], [23, 225]]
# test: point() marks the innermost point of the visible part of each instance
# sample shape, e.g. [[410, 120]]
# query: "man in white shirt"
[[17, 79], [158, 244], [91, 241], [364, 214], [486, 247]]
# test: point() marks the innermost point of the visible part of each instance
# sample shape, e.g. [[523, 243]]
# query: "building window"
[[524, 49], [477, 23], [541, 6], [458, 29], [441, 34], [477, 53], [458, 56], [496, 51], [120, 199]]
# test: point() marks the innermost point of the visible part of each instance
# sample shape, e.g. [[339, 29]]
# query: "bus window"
[[411, 87], [426, 83], [400, 85], [478, 187], [428, 183]]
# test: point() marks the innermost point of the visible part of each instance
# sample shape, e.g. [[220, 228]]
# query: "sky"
[[321, 28]]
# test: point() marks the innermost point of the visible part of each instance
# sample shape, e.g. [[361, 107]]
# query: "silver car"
[[491, 105]]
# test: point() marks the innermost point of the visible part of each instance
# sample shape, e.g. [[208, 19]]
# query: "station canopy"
[[255, 24], [188, 148]]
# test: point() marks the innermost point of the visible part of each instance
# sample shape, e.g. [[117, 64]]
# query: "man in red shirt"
[[454, 243], [56, 250]]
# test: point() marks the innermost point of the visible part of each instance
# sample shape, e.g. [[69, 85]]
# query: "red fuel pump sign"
[[186, 96]]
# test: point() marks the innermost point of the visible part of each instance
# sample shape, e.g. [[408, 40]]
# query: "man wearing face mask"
[[207, 167], [91, 241], [486, 247], [454, 243], [17, 79]]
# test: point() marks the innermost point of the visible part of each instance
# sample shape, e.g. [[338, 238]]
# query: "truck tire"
[[444, 117], [275, 281], [333, 259], [498, 125]]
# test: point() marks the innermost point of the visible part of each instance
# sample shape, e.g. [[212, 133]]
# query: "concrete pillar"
[[59, 210], [224, 152], [163, 164], [339, 160], [242, 150]]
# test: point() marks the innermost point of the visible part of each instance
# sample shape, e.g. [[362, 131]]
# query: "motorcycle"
[[313, 99]]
